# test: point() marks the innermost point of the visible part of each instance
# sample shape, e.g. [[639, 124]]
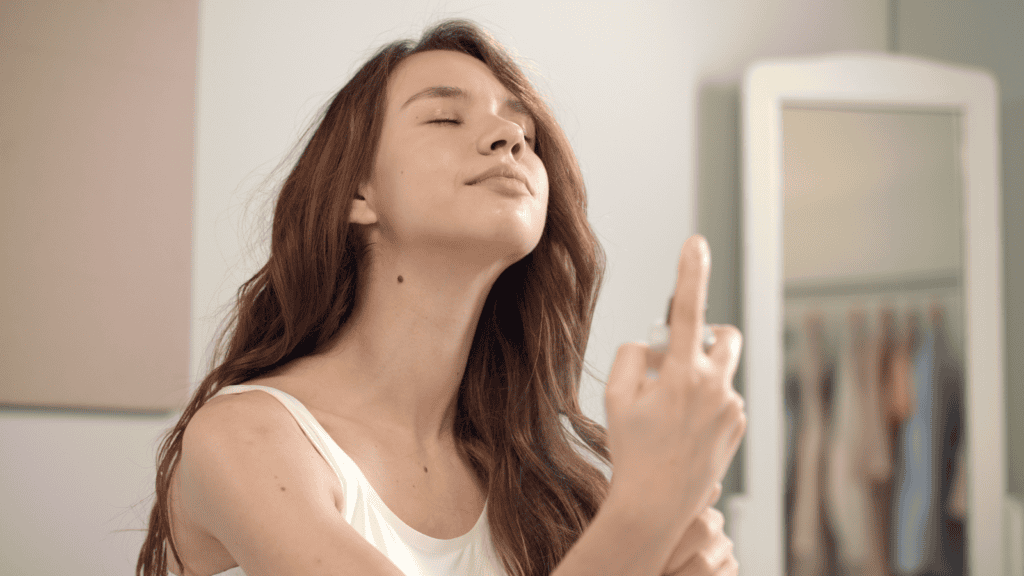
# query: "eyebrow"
[[511, 103]]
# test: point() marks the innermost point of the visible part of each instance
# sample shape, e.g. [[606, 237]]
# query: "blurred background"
[[139, 143]]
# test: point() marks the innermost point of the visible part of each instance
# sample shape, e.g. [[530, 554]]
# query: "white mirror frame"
[[888, 80]]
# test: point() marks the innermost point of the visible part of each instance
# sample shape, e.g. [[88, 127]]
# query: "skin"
[[407, 343]]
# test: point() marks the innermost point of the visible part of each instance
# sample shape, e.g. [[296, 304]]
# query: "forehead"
[[443, 68]]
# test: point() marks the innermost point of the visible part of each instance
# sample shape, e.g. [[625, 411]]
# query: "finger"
[[723, 554], [627, 373], [731, 567], [715, 494], [737, 437], [712, 558], [733, 418], [728, 429], [655, 358], [714, 520], [703, 532], [686, 319], [727, 348]]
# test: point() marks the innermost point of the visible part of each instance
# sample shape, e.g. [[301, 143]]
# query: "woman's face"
[[434, 145]]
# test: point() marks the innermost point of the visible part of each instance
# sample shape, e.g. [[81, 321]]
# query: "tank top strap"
[[343, 466]]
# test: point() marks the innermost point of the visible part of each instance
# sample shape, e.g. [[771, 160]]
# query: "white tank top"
[[415, 553]]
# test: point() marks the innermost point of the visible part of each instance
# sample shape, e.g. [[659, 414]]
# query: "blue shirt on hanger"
[[916, 534]]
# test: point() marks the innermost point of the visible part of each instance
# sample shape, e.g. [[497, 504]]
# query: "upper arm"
[[253, 481]]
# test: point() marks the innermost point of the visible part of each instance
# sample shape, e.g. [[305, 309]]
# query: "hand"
[[672, 438], [704, 550]]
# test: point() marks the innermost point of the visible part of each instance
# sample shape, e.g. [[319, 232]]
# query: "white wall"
[[74, 491], [627, 82]]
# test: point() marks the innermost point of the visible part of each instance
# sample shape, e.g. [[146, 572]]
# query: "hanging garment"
[[810, 548], [917, 534], [791, 406], [876, 446], [891, 345], [948, 376], [875, 454], [902, 401], [956, 506], [792, 413], [888, 342], [847, 486]]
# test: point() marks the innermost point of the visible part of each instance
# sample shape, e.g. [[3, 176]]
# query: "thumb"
[[627, 375]]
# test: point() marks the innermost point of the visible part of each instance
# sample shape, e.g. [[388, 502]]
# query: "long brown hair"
[[524, 368]]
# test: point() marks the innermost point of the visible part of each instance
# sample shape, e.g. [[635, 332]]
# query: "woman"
[[389, 398]]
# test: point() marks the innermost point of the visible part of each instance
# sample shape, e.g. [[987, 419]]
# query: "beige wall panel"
[[96, 118]]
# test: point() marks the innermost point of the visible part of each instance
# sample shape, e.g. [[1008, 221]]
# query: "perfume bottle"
[[658, 336]]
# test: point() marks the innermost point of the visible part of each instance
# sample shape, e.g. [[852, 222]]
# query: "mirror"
[[871, 237], [872, 326]]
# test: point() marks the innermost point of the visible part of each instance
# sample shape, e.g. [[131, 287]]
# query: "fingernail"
[[703, 250]]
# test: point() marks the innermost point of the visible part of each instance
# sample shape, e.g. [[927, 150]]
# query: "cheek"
[[420, 185], [428, 172], [543, 187], [414, 169]]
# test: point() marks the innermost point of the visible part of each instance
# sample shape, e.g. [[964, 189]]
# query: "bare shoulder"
[[232, 432], [255, 483], [254, 410], [252, 481], [236, 419]]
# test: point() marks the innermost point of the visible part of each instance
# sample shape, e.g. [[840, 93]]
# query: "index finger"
[[686, 315]]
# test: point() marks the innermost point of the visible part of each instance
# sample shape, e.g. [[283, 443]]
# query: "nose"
[[504, 134]]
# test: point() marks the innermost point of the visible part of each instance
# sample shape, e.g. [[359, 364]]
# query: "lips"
[[503, 171]]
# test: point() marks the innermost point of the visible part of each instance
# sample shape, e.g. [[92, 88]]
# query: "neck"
[[399, 360]]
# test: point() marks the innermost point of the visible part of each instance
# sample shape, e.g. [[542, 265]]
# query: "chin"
[[505, 248]]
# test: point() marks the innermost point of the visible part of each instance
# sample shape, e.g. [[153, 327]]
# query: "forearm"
[[620, 541]]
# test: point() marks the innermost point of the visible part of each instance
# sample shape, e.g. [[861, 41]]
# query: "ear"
[[362, 212]]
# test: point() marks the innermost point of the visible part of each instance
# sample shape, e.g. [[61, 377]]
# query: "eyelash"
[[457, 122]]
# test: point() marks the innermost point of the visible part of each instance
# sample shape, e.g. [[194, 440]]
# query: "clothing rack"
[[835, 297], [929, 281], [845, 488]]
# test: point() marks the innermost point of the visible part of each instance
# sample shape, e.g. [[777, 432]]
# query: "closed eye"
[[457, 122]]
